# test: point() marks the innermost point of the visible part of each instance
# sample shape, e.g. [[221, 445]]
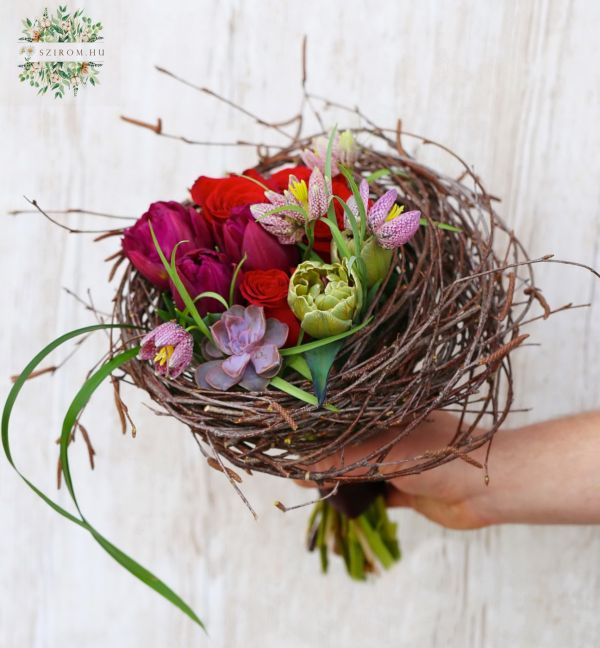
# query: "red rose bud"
[[172, 223], [203, 270], [269, 288], [218, 196]]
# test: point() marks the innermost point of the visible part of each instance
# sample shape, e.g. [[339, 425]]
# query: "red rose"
[[265, 287], [269, 288], [218, 196], [281, 179]]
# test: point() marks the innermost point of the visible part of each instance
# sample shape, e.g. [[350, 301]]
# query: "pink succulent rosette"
[[245, 350]]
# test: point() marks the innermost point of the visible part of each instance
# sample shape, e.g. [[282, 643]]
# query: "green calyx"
[[325, 297], [377, 259]]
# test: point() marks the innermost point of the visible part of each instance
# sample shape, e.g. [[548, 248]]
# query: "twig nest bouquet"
[[329, 293], [337, 290]]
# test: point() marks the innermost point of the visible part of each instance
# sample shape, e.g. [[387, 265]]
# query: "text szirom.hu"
[[54, 52]]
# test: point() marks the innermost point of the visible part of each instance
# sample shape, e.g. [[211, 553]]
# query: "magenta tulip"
[[203, 270], [240, 234], [172, 223]]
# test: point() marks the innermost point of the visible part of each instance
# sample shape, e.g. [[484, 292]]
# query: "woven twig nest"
[[444, 322]]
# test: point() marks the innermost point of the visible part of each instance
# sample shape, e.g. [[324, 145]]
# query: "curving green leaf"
[[73, 413], [300, 394], [315, 344], [181, 289], [442, 226]]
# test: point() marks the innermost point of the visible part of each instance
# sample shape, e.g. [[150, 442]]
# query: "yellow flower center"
[[394, 211], [163, 356], [299, 190]]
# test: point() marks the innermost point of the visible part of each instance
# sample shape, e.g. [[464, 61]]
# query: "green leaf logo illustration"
[[65, 33]]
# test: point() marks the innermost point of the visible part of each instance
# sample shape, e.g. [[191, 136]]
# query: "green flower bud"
[[377, 259], [325, 297]]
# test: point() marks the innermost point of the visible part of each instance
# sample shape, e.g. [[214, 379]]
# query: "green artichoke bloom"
[[325, 297], [377, 259]]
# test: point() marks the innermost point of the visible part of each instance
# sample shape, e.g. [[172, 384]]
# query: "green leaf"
[[362, 211], [208, 294], [300, 394], [380, 173], [236, 272], [320, 361], [312, 256], [315, 344], [71, 418], [338, 238], [375, 541], [442, 226], [353, 225], [373, 291], [183, 293], [284, 208], [299, 364]]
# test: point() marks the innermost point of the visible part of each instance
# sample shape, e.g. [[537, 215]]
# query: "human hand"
[[545, 473], [449, 495]]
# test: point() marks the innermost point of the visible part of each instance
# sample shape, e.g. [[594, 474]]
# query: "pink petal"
[[310, 159], [363, 190], [255, 323], [237, 332], [399, 230], [148, 350], [266, 358], [221, 336], [169, 334], [234, 365], [210, 375], [252, 381], [317, 195], [276, 332], [181, 357], [149, 337], [211, 351], [379, 211]]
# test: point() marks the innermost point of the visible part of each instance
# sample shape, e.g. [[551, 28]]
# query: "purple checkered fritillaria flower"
[[390, 225], [344, 150], [245, 350], [169, 347], [288, 226]]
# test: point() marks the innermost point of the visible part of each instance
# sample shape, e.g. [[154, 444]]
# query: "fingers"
[[395, 497], [433, 433]]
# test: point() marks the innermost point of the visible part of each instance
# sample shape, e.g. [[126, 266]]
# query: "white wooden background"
[[515, 88]]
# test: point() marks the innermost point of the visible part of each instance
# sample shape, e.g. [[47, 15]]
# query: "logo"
[[61, 52]]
